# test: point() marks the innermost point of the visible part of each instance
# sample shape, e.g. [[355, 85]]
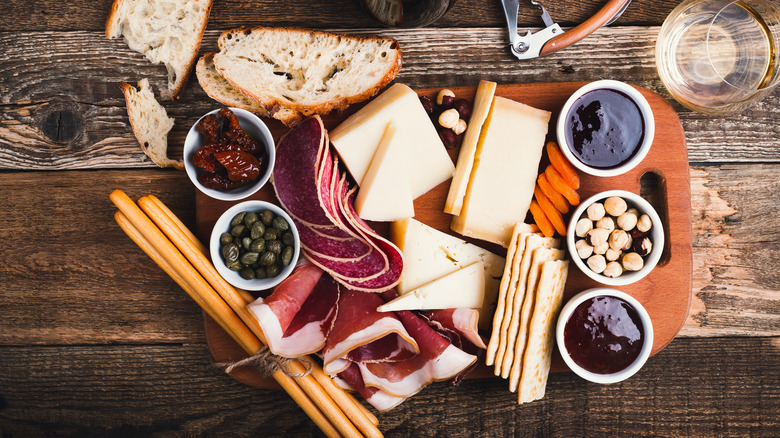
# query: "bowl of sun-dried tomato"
[[229, 154]]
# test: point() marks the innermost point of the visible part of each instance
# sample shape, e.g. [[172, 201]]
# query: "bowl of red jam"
[[606, 128], [229, 154], [604, 335]]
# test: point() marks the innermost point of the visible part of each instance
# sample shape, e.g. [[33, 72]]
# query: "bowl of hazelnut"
[[615, 237]]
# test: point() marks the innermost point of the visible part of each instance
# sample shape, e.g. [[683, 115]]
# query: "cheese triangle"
[[462, 288]]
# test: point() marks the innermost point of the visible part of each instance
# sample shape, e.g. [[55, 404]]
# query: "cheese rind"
[[506, 165], [357, 138], [386, 194], [464, 288]]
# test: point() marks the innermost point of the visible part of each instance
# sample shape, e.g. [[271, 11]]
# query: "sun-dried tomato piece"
[[235, 134], [210, 128], [220, 181], [240, 165], [204, 158]]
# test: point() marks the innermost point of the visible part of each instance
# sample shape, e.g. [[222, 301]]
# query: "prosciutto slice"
[[351, 379], [461, 321], [298, 315]]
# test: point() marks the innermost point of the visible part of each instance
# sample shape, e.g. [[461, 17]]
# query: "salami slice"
[[331, 247]]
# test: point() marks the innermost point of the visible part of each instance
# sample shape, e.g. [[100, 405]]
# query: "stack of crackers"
[[530, 297]]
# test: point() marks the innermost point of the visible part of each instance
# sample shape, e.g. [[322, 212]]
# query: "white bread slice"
[[165, 31], [220, 89], [150, 123], [309, 72]]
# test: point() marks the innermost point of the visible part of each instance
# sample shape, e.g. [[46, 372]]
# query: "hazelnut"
[[643, 246], [613, 270], [595, 211], [597, 236], [627, 221], [463, 107], [596, 263], [606, 223], [644, 223], [427, 103], [613, 254], [582, 227], [448, 138], [633, 210], [633, 262], [601, 248], [460, 127], [583, 249], [615, 205], [448, 119], [617, 239], [445, 93], [629, 243]]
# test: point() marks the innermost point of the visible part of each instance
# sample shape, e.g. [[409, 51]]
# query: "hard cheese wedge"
[[357, 138], [430, 254], [506, 164], [462, 288], [386, 194]]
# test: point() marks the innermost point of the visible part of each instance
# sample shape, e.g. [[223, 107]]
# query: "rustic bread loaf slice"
[[220, 89], [166, 31], [297, 73], [150, 123]]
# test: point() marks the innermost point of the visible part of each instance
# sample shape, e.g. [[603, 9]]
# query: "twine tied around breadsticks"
[[267, 363]]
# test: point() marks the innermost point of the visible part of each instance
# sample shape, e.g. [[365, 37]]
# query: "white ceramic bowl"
[[223, 225], [644, 108], [257, 130], [644, 353], [656, 235]]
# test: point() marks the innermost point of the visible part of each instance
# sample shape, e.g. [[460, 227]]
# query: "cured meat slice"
[[336, 366], [390, 348], [300, 312], [358, 323], [373, 265], [351, 378], [461, 321], [330, 247]]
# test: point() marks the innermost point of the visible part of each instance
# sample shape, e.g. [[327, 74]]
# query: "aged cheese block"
[[462, 288], [357, 138], [386, 194], [506, 163]]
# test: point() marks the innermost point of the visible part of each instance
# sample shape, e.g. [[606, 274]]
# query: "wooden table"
[[96, 340]]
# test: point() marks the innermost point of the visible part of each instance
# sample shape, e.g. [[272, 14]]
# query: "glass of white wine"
[[719, 56]]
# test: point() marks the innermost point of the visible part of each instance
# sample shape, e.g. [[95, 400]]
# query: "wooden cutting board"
[[662, 178]]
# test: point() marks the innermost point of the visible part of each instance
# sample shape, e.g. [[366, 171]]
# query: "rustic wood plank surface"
[[95, 340]]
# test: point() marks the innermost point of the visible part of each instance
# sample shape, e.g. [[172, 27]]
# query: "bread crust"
[[111, 30], [201, 71], [292, 113]]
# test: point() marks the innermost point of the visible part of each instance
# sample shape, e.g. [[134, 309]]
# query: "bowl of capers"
[[254, 245], [615, 237]]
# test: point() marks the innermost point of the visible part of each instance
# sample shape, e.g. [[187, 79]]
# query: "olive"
[[267, 217], [250, 218], [267, 258], [225, 238], [274, 246], [280, 224], [230, 252], [238, 230], [249, 257], [246, 242], [272, 271], [287, 255], [237, 219], [288, 238], [270, 234], [257, 230], [234, 265], [260, 273], [247, 273], [258, 245]]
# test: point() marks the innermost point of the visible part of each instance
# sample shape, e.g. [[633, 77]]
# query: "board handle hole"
[[652, 187]]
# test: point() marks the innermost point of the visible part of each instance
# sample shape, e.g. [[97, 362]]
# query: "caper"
[[258, 245], [225, 238], [247, 273], [237, 219], [272, 271], [287, 255], [237, 240], [288, 238], [260, 273], [257, 230], [270, 234], [250, 218], [238, 230], [230, 252], [234, 265], [249, 257], [246, 242], [280, 224], [274, 246], [267, 258], [267, 217]]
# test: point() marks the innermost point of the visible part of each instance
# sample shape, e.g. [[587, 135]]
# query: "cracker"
[[541, 332]]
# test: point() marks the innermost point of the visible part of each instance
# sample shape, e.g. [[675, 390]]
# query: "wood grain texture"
[[91, 14], [60, 107], [694, 388]]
